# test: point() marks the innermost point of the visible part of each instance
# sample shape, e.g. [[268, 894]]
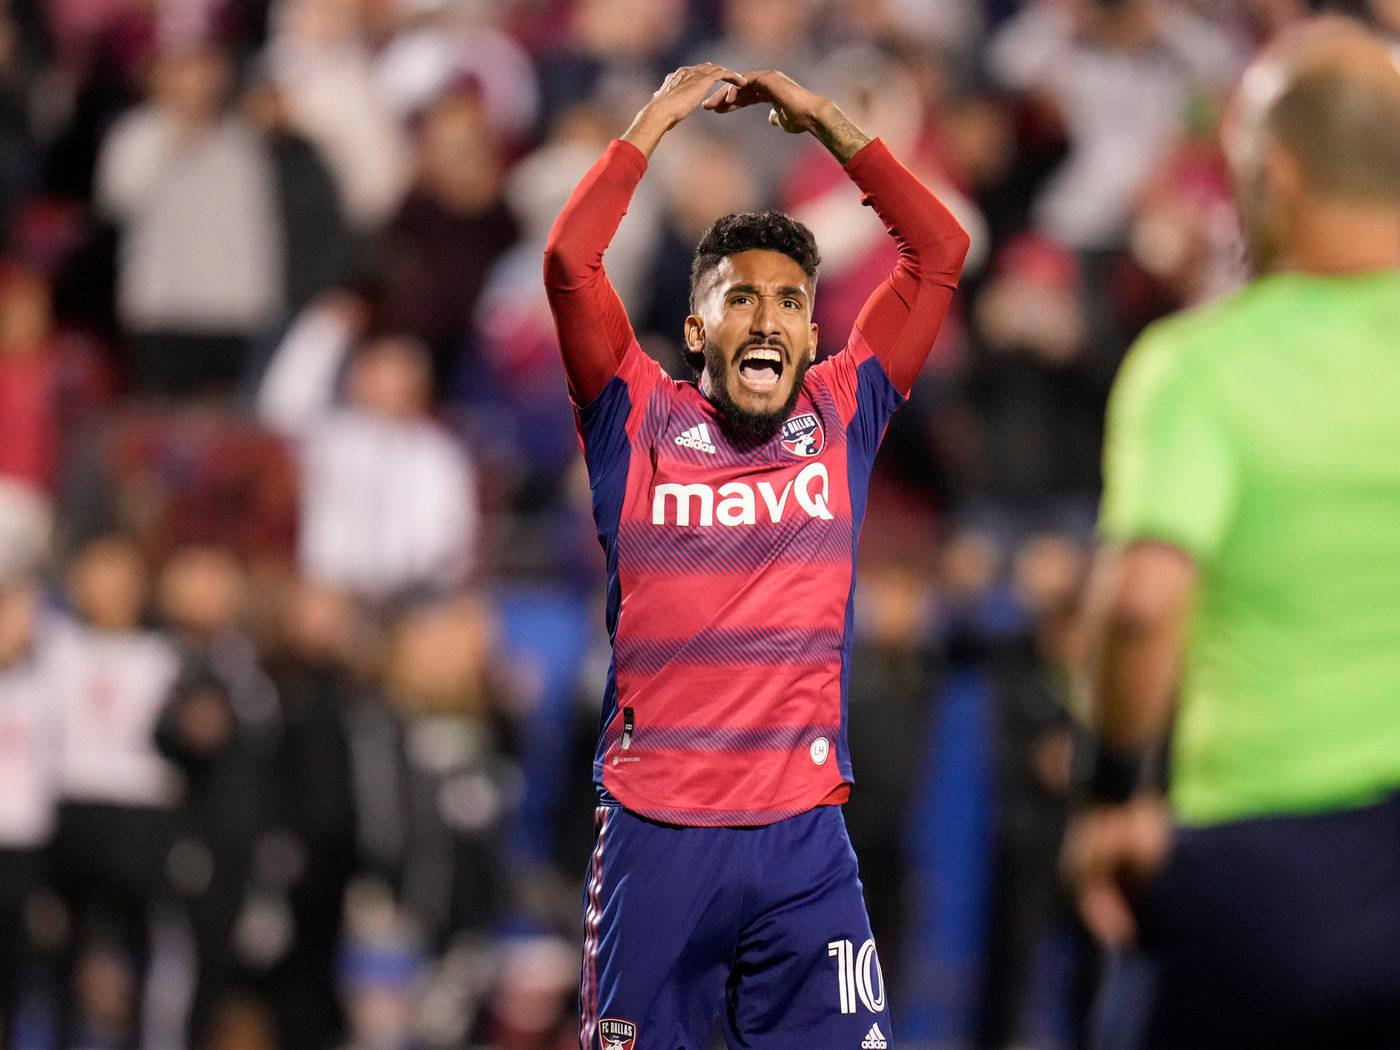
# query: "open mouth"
[[760, 368]]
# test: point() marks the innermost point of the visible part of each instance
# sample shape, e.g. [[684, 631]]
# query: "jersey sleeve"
[[901, 319], [594, 332], [610, 422], [1169, 466]]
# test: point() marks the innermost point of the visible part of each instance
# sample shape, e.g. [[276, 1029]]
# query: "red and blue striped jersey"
[[731, 566]]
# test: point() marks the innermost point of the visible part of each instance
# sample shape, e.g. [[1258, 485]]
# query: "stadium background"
[[242, 242]]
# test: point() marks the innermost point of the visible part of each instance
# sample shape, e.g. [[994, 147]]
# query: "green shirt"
[[1261, 435]]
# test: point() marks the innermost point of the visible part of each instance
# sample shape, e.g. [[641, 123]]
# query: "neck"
[[1339, 237]]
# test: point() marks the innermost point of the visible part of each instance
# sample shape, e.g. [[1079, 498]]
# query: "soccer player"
[[722, 881], [1252, 524]]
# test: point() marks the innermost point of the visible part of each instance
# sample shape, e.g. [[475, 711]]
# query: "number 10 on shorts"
[[858, 974]]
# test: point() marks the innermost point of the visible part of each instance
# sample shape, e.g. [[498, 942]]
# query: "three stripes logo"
[[698, 438], [874, 1039]]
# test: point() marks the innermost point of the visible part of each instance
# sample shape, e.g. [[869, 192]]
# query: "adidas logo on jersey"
[[874, 1039], [698, 438]]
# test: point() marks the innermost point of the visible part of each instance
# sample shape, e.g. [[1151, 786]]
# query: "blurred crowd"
[[301, 643]]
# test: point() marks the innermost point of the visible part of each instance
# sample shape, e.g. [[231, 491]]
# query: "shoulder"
[[1212, 335], [852, 379], [1194, 348]]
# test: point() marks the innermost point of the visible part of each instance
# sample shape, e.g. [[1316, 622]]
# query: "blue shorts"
[[762, 928]]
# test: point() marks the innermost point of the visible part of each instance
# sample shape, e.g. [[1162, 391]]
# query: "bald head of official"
[[1313, 142]]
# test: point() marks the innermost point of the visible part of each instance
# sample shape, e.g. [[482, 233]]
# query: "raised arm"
[[901, 319], [593, 328]]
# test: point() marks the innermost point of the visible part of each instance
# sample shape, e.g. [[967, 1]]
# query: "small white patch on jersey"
[[820, 748], [874, 1039]]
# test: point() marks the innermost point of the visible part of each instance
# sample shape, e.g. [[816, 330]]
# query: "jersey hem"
[[705, 817]]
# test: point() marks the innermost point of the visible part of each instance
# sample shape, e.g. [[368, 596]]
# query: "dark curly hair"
[[744, 231]]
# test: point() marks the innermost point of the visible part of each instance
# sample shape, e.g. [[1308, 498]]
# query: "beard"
[[753, 427]]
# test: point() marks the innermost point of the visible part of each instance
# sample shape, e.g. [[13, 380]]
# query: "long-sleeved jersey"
[[731, 567]]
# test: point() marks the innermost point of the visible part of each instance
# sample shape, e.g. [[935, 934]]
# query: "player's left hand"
[[1109, 855], [794, 108]]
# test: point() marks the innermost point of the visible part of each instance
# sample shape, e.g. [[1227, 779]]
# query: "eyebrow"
[[752, 289]]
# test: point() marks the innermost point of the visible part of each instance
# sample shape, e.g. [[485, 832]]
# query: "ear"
[[1282, 174], [812, 341], [695, 334]]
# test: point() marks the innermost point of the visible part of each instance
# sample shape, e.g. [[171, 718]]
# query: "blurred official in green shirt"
[[1247, 597]]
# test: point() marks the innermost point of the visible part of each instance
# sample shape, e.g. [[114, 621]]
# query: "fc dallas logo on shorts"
[[615, 1034], [802, 435]]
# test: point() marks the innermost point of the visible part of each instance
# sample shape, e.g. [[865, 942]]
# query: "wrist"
[[1106, 775], [646, 130], [827, 115], [837, 132]]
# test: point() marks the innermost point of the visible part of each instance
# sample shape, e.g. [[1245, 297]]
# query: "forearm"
[[1134, 683], [647, 130], [838, 132], [1137, 616], [900, 321], [592, 325]]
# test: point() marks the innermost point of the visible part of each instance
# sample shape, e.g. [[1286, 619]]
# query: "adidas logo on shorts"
[[874, 1039], [698, 438]]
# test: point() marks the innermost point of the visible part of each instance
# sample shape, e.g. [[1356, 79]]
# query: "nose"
[[764, 320]]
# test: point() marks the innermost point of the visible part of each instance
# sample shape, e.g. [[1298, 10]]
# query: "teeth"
[[763, 353]]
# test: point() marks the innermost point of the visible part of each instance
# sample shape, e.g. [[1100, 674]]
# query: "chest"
[[696, 477]]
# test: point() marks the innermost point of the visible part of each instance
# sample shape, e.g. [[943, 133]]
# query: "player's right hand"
[[682, 92]]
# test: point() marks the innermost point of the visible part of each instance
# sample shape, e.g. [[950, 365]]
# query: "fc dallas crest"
[[802, 435], [616, 1034]]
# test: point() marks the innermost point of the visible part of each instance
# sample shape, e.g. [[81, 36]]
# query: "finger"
[[773, 118], [728, 99], [737, 79], [1106, 913], [722, 97]]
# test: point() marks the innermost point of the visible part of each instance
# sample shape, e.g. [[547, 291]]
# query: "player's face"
[[754, 326]]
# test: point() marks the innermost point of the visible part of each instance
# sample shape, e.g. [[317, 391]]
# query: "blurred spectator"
[[439, 248], [455, 781], [611, 52], [221, 728], [1034, 964], [948, 25], [517, 408], [28, 746], [895, 671], [46, 381], [201, 260], [1184, 233], [318, 53], [19, 154], [539, 184], [110, 680], [382, 973], [885, 91], [1120, 74], [768, 34], [316, 242], [194, 475], [439, 790], [29, 433], [1037, 394], [447, 42], [388, 495], [315, 792]]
